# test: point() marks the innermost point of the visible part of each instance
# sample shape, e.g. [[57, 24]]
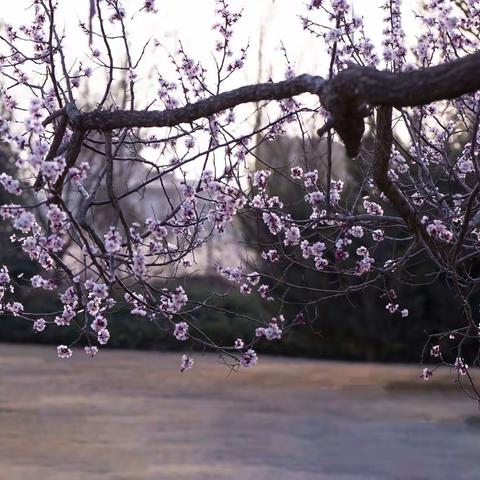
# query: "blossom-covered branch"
[[151, 182]]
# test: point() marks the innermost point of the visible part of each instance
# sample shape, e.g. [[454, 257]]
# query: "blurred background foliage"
[[353, 327]]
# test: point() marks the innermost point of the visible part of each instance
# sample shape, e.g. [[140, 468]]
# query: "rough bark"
[[347, 97]]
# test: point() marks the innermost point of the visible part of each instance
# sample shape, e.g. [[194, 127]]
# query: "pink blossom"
[[249, 358], [239, 344], [187, 363], [91, 351], [297, 173], [99, 324], [25, 222], [271, 256], [435, 351], [310, 178], [260, 178], [138, 266], [39, 325], [64, 352], [181, 331], [292, 236], [10, 184], [426, 373], [103, 336], [273, 222], [112, 240], [392, 307], [272, 332], [372, 208]]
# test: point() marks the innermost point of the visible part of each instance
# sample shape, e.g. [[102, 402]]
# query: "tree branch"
[[381, 161], [345, 96], [103, 120]]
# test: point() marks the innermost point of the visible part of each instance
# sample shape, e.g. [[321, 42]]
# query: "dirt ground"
[[133, 416]]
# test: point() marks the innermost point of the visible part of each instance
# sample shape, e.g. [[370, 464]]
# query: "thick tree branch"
[[351, 91], [103, 120], [411, 88], [73, 150], [54, 148], [346, 96], [381, 161]]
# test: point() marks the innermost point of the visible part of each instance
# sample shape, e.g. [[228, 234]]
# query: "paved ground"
[[132, 416]]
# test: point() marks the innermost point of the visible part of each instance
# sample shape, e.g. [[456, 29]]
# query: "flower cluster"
[[272, 332]]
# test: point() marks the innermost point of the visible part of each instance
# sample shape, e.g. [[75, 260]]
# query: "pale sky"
[[190, 21]]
